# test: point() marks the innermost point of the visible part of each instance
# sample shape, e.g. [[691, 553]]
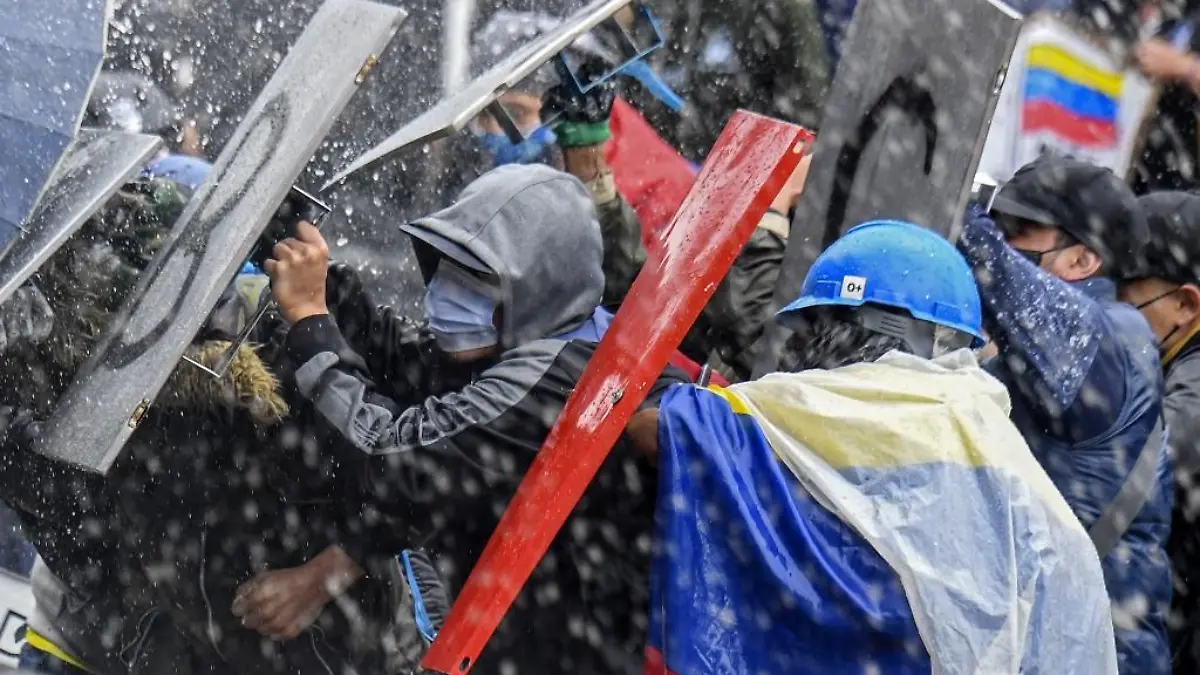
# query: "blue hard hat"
[[188, 172], [899, 265]]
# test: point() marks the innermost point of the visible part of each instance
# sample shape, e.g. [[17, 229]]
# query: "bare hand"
[[786, 200], [282, 604], [1158, 59], [297, 270], [642, 431]]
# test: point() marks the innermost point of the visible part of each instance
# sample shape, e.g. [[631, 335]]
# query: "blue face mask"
[[459, 311], [534, 149]]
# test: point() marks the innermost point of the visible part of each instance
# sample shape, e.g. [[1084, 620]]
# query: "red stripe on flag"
[[1046, 116], [655, 664]]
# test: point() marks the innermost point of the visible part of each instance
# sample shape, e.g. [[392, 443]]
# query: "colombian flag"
[[879, 518], [1070, 98]]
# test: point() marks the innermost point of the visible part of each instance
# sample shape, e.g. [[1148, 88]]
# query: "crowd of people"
[[973, 456]]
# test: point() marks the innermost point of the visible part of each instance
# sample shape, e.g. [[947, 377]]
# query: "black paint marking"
[[276, 114], [909, 95]]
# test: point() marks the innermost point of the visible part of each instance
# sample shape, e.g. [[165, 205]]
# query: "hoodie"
[[446, 464]]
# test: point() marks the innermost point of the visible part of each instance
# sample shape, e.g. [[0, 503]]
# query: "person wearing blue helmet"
[[871, 508]]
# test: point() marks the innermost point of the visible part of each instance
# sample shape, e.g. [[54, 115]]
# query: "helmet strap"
[[917, 335]]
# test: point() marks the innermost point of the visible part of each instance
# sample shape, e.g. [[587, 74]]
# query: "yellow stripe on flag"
[[35, 640], [1064, 64], [735, 403]]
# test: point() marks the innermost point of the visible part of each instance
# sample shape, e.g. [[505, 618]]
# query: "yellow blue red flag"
[[879, 518]]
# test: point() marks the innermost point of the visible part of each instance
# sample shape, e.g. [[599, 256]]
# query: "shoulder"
[[1184, 372], [1126, 327]]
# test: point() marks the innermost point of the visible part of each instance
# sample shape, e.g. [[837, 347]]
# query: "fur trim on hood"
[[248, 385]]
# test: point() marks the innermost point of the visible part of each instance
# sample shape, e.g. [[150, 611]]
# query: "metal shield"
[[904, 127], [216, 231], [95, 167], [454, 113]]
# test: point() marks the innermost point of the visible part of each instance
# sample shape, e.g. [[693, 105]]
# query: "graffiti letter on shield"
[[908, 95]]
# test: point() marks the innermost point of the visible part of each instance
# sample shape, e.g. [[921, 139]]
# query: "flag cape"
[[883, 517]]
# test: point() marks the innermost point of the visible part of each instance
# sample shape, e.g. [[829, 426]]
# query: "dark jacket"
[[1086, 387], [221, 480], [729, 331], [446, 465], [624, 253], [1182, 409]]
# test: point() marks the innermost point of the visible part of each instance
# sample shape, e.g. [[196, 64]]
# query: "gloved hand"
[[580, 120], [25, 317]]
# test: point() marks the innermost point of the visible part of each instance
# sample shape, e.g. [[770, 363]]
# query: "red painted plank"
[[746, 168]]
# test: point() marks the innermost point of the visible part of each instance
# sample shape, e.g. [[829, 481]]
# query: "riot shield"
[[904, 127], [216, 231], [745, 169], [454, 113], [95, 167]]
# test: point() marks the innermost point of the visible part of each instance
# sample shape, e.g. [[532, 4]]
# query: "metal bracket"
[[138, 413]]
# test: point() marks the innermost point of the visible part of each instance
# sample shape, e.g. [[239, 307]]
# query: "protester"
[[728, 334], [1082, 371], [514, 279], [82, 613], [863, 507], [1169, 156], [128, 101], [214, 486], [1167, 291]]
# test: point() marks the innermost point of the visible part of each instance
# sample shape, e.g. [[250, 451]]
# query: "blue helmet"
[[188, 172], [897, 265]]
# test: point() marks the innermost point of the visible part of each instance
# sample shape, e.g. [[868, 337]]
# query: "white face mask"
[[460, 309]]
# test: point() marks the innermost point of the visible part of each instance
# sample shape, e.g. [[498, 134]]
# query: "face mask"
[[534, 149], [1166, 338], [459, 311]]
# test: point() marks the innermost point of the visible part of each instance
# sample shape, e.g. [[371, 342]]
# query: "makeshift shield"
[[216, 231], [95, 167], [904, 127], [454, 113], [746, 168]]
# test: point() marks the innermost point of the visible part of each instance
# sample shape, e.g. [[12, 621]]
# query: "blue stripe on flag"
[[1043, 85]]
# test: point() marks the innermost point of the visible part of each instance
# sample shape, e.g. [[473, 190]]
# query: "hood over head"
[[533, 233]]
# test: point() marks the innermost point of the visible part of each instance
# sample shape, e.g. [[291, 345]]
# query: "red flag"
[[649, 173], [750, 163]]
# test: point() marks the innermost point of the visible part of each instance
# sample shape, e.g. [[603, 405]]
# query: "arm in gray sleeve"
[[456, 426]]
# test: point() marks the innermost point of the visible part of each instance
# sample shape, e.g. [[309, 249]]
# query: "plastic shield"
[[216, 231], [904, 127], [746, 168], [95, 167], [454, 113]]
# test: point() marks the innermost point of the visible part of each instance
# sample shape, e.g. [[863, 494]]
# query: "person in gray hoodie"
[[514, 280]]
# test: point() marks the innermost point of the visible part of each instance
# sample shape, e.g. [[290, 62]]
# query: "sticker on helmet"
[[853, 287]]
